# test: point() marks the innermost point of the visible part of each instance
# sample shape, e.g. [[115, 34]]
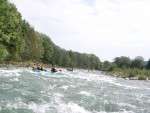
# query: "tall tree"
[[148, 64], [138, 62], [3, 53], [11, 33], [122, 62], [48, 48], [106, 65]]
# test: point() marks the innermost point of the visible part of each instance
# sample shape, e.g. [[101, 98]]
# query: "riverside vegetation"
[[20, 43], [136, 69]]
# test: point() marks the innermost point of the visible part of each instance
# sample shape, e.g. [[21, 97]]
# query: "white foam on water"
[[10, 73], [85, 93], [38, 108], [64, 107], [123, 111], [15, 104], [125, 104], [73, 86], [71, 108], [93, 77], [125, 86], [14, 79], [64, 87], [51, 87], [6, 86], [97, 77], [59, 95], [147, 88], [43, 73], [58, 100], [106, 102]]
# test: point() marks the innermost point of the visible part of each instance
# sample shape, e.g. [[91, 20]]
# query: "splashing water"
[[25, 91]]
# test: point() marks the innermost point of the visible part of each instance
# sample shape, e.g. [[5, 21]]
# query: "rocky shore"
[[141, 75]]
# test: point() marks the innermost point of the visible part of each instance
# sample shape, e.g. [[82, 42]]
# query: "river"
[[25, 91]]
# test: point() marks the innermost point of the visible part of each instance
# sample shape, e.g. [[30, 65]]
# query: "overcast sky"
[[106, 28]]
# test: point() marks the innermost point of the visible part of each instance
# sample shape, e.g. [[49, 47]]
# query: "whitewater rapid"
[[80, 91]]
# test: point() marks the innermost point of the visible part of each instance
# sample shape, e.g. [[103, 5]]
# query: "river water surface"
[[25, 91]]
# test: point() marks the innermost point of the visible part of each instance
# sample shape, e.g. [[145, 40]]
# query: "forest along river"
[[25, 91]]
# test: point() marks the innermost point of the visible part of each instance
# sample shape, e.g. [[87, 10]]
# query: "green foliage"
[[33, 44], [133, 73], [73, 59], [48, 48], [148, 64], [3, 53], [122, 62], [112, 67], [66, 60], [106, 66], [11, 35], [56, 57], [94, 62], [138, 62]]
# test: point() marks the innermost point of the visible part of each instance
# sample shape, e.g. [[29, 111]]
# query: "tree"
[[66, 60], [138, 62], [11, 33], [56, 58], [3, 53], [122, 62], [73, 60], [94, 62], [106, 65], [33, 44], [48, 48], [148, 64]]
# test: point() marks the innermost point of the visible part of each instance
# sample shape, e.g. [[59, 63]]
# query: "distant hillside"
[[19, 42]]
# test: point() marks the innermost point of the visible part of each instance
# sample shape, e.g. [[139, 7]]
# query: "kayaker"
[[54, 69]]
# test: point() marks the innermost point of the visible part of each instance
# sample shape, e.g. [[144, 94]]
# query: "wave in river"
[[25, 91]]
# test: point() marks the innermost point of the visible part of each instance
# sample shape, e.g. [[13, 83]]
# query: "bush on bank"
[[140, 74]]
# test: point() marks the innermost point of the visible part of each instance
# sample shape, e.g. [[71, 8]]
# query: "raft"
[[49, 71]]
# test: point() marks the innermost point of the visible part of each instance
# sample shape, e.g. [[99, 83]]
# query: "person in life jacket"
[[33, 67], [54, 69], [39, 67], [42, 67]]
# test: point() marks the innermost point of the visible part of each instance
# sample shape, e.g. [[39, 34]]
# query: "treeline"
[[136, 69], [124, 62], [20, 42]]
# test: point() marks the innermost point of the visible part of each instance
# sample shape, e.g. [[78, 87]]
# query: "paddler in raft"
[[42, 67], [39, 67], [34, 67], [54, 69]]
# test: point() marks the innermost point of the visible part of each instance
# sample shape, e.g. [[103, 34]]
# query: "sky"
[[106, 28]]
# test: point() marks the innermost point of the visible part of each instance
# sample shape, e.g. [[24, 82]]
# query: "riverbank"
[[22, 64], [131, 74]]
